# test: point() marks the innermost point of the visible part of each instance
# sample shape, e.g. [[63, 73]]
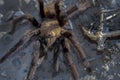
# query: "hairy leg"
[[28, 17], [57, 8], [22, 43], [34, 62], [66, 54], [81, 53], [43, 47], [41, 9], [56, 47]]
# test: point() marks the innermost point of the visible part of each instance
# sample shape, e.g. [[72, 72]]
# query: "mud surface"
[[106, 65]]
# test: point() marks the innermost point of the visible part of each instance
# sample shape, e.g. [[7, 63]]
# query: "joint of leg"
[[29, 16]]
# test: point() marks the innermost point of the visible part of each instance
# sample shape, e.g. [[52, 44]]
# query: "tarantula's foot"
[[40, 60], [5, 37], [55, 69], [89, 34]]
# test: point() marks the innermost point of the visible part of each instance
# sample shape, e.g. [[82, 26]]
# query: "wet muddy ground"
[[106, 65]]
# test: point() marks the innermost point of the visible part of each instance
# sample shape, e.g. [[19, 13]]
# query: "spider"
[[50, 35]]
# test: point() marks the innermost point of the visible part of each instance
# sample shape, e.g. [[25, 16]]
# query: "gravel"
[[17, 65]]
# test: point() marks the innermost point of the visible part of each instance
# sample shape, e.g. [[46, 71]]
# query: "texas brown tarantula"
[[51, 35]]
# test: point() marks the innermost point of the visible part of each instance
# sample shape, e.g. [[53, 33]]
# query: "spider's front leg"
[[51, 10], [28, 17], [81, 53], [66, 54]]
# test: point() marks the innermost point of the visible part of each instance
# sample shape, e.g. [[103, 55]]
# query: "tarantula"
[[51, 35]]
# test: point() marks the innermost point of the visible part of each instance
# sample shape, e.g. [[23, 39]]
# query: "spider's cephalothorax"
[[51, 36]]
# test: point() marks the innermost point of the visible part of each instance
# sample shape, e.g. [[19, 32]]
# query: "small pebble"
[[118, 75], [3, 74], [22, 54], [6, 38], [113, 63], [1, 2], [115, 74], [25, 70], [106, 58], [18, 13], [27, 1], [110, 77], [1, 18], [106, 67], [96, 68], [2, 34], [104, 74], [118, 45], [16, 62], [8, 16], [113, 57]]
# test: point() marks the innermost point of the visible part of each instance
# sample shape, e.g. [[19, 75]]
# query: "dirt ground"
[[105, 66]]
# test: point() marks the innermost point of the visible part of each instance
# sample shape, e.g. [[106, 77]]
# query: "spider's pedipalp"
[[22, 43], [28, 17], [66, 54], [57, 8]]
